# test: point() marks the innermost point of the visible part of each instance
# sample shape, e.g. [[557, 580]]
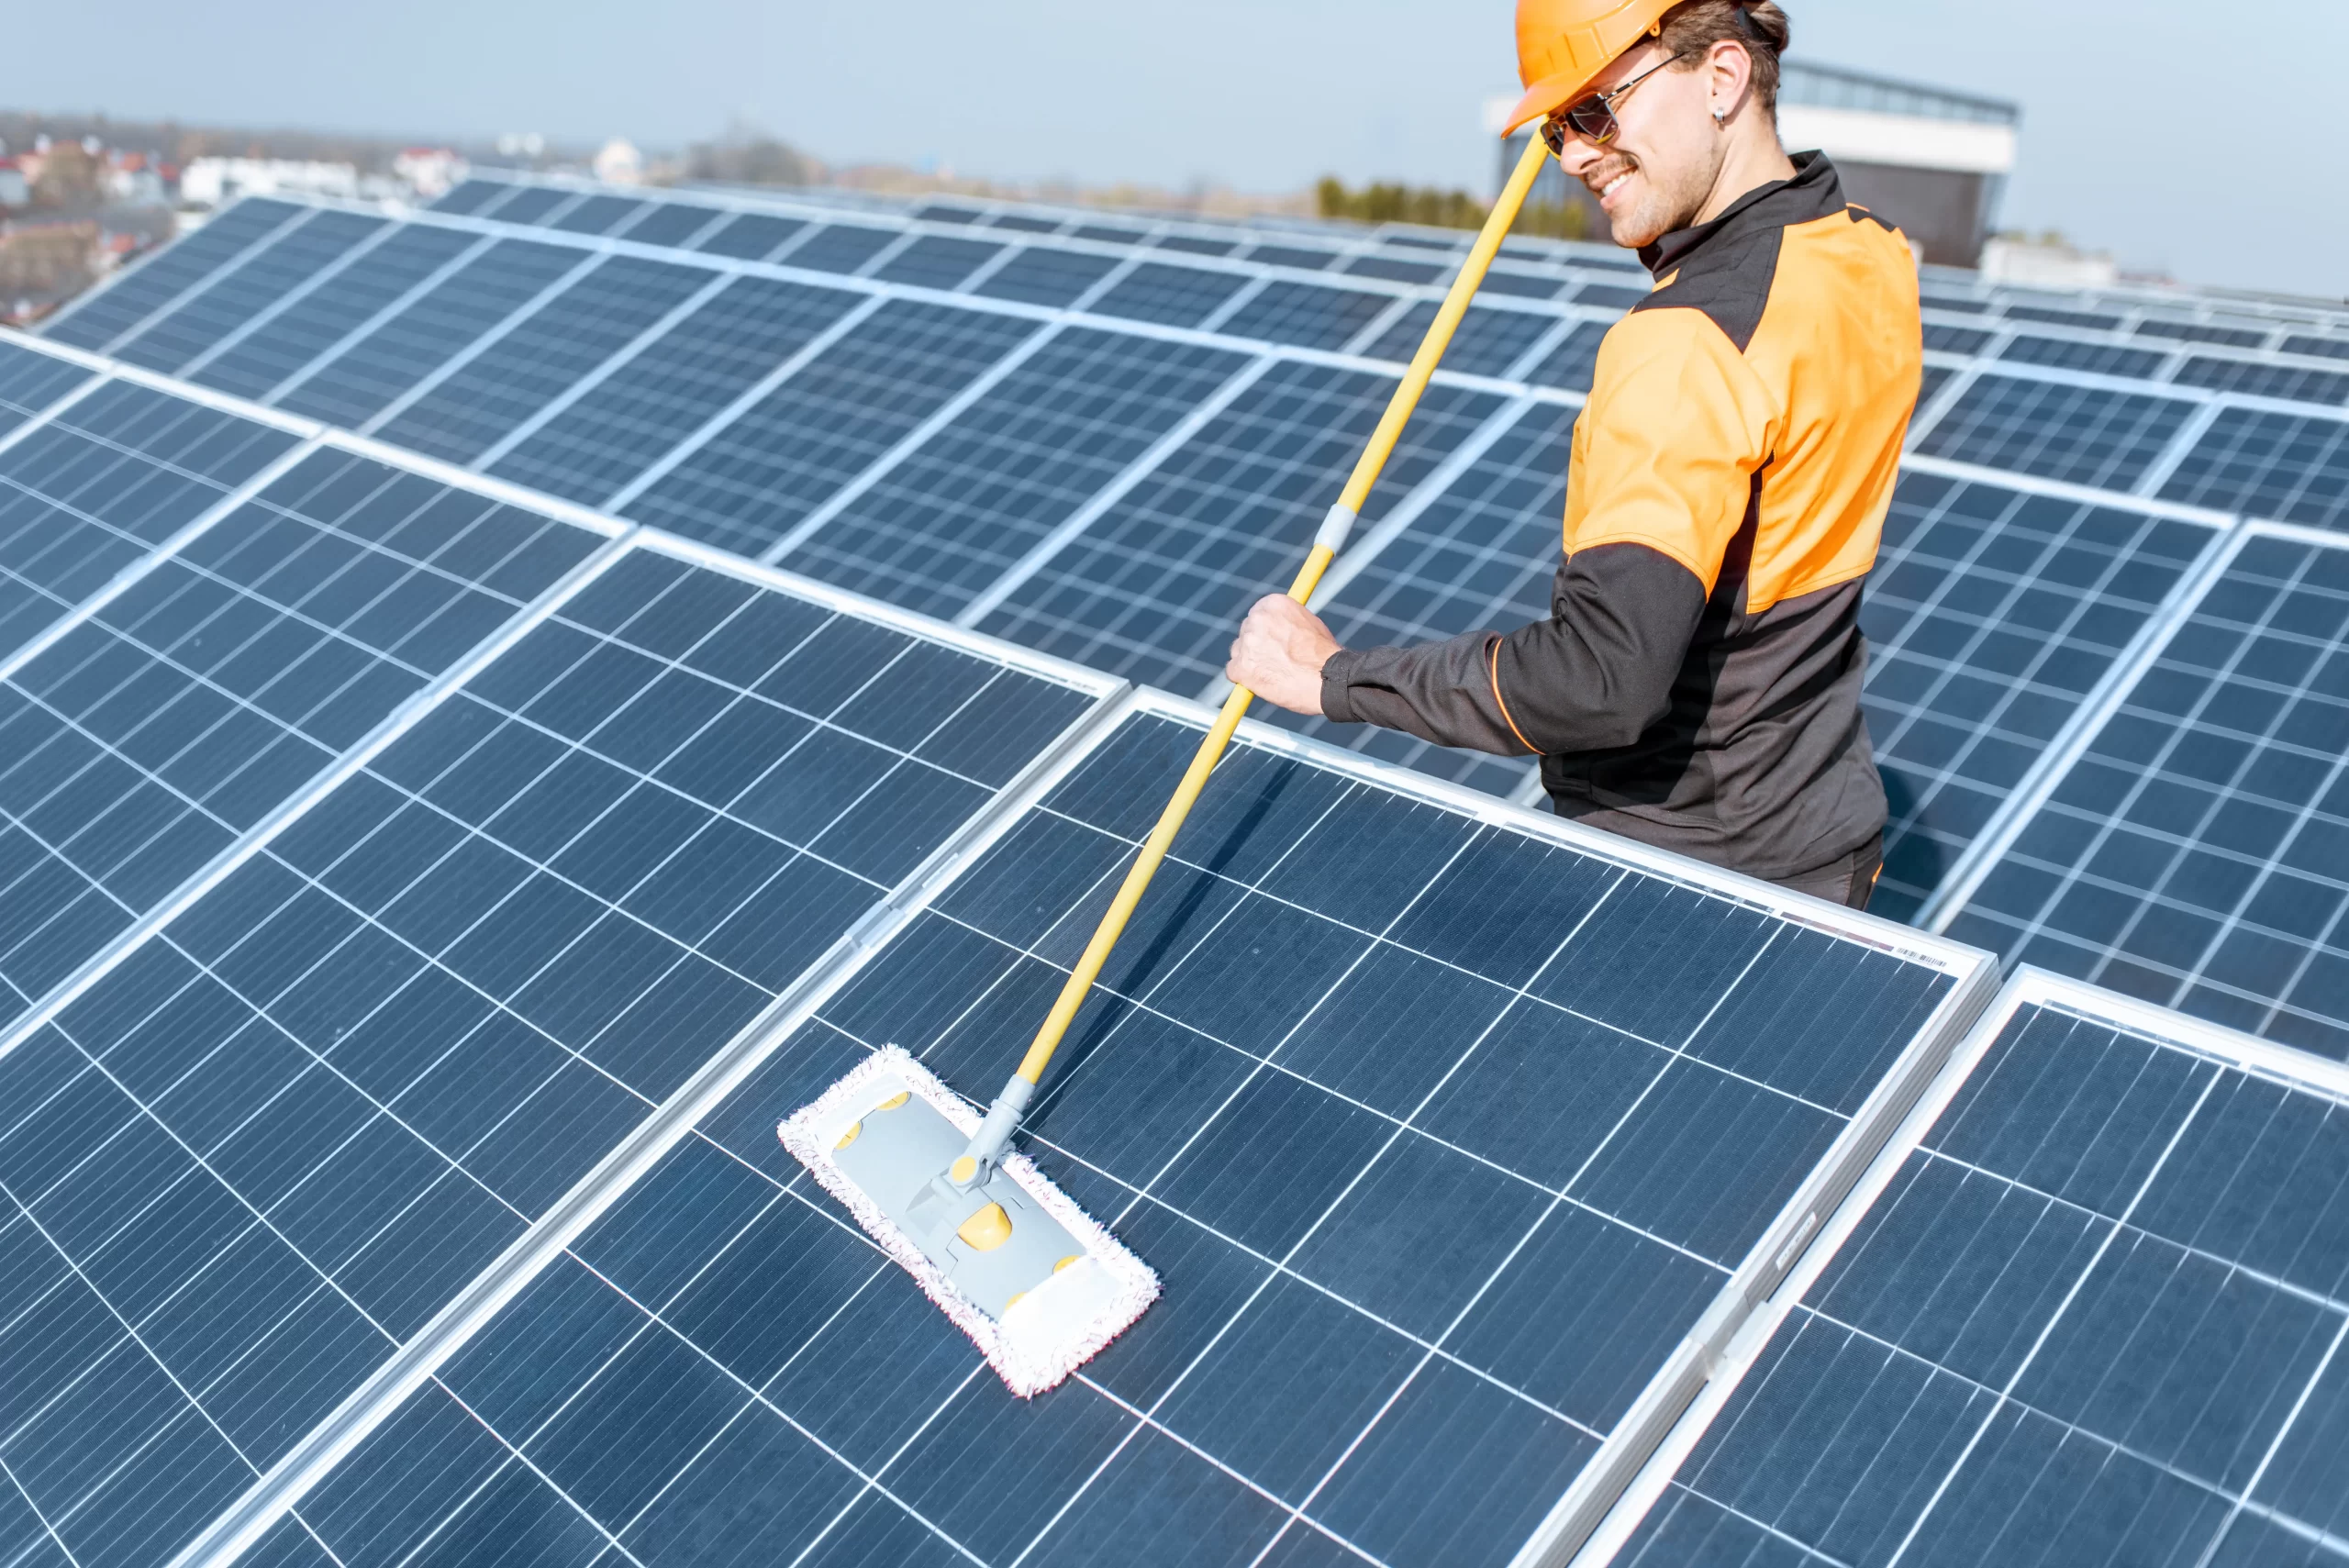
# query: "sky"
[[2149, 129]]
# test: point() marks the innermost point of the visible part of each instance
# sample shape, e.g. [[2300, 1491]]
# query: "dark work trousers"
[[1850, 881]]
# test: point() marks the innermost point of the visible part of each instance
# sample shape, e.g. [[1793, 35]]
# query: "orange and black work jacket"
[[1697, 685]]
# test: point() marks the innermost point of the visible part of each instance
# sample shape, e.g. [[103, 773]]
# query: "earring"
[[1721, 116]]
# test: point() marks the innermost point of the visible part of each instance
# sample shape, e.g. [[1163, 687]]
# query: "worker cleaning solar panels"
[[1697, 685]]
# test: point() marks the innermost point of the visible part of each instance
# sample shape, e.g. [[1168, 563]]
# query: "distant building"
[[429, 171], [620, 163], [2047, 263], [211, 182], [1934, 162], [14, 189]]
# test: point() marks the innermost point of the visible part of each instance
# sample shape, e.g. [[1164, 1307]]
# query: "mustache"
[[1601, 174]]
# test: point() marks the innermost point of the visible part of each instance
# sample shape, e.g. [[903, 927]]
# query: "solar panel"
[[1489, 341], [2057, 430], [1291, 256], [1170, 296], [467, 412], [85, 496], [934, 262], [469, 195], [723, 1365], [104, 315], [2193, 853], [2293, 383], [2324, 348], [1574, 363], [1195, 244], [947, 521], [751, 236], [600, 214], [359, 381], [1037, 276], [148, 736], [2078, 354], [613, 432], [2087, 320], [1992, 616], [239, 293], [306, 325], [2200, 332], [2291, 467], [1394, 270], [676, 223], [749, 484], [1152, 589], [30, 382], [257, 1156], [842, 247], [1946, 339], [2094, 1316], [1307, 315]]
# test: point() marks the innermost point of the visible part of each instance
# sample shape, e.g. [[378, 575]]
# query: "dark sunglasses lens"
[[1554, 137], [1593, 121]]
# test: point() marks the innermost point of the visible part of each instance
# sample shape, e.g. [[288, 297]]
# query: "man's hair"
[[1761, 27]]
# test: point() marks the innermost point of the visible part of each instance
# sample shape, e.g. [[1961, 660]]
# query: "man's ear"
[[1729, 71]]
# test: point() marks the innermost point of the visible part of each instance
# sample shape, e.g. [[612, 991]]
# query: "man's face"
[[1655, 175]]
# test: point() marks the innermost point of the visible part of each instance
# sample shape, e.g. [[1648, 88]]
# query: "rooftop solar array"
[[507, 701], [2090, 1309]]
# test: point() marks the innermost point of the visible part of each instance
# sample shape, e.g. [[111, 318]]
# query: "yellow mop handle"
[[1357, 492]]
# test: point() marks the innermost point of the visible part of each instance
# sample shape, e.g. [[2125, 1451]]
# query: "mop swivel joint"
[[986, 1148]]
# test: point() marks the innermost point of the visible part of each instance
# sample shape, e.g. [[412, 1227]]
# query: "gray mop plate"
[[900, 1156]]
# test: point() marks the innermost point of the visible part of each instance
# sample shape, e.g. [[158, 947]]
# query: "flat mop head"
[[1030, 1276]]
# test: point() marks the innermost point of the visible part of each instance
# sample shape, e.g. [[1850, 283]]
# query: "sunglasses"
[[1593, 119]]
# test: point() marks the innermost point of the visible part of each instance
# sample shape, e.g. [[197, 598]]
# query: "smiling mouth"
[[1611, 182], [1613, 186]]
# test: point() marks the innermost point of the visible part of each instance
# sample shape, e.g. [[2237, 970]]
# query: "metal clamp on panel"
[[1335, 527]]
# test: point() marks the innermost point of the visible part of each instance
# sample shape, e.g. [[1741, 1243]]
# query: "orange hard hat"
[[1563, 45]]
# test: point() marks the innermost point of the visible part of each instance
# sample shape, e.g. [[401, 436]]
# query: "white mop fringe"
[[1036, 1346]]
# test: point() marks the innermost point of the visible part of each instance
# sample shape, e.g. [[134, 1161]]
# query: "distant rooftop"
[[1835, 87]]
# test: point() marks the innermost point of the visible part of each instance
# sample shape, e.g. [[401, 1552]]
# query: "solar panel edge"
[[2029, 988], [312, 1458], [291, 810], [121, 276]]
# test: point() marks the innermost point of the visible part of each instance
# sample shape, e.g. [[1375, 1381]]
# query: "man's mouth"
[[1612, 183]]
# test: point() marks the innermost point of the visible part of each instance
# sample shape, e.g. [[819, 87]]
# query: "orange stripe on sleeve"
[[1493, 665]]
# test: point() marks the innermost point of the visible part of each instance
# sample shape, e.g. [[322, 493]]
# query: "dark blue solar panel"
[[1037, 276], [2074, 354], [310, 325], [31, 381], [1487, 342], [1394, 270], [527, 204], [360, 381], [109, 313], [147, 739], [935, 262], [1608, 297], [1956, 340], [941, 212], [951, 517], [1990, 615], [622, 426], [1196, 245], [1102, 234], [1481, 557], [470, 195], [753, 235], [1429, 1213], [1952, 303], [1170, 296], [823, 424], [1291, 256], [2085, 435], [842, 247], [2095, 1320], [1308, 314], [88, 495], [2292, 468], [2198, 854], [2323, 347], [2297, 383], [1154, 589], [1524, 286], [541, 358], [257, 281], [598, 215], [2199, 332], [282, 1133], [673, 223], [1024, 224], [1572, 364], [2087, 320]]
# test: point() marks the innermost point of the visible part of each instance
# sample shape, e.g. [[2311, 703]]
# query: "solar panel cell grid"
[[469, 410], [1040, 276], [2074, 354], [2195, 854], [2287, 467], [107, 313], [362, 379], [147, 738], [2087, 320], [1574, 363], [2295, 382], [723, 1359], [469, 196], [1022, 223], [276, 1140], [1194, 245], [1307, 315], [785, 456], [275, 349], [1948, 339], [1291, 256], [527, 204], [1170, 296], [30, 382], [955, 515], [936, 262], [1608, 297], [1487, 343], [1991, 614], [600, 214], [2097, 1319], [750, 237], [1521, 285], [1481, 556], [1394, 270], [1152, 590], [2202, 332], [675, 223], [618, 428], [842, 247], [2323, 347], [257, 281], [2084, 435]]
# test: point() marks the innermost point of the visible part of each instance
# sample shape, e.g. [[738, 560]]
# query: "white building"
[[620, 163], [210, 182], [429, 171]]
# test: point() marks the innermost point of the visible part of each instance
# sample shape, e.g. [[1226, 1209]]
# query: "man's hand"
[[1279, 654]]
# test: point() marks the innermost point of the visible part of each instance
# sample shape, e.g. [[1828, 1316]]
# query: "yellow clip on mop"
[[1037, 1282]]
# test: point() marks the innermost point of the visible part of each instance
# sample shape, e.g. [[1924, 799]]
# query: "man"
[[1697, 687]]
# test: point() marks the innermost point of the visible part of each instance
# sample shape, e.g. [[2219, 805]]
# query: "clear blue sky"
[[1265, 95]]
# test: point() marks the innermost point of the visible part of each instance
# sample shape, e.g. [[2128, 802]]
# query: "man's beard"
[[1658, 209]]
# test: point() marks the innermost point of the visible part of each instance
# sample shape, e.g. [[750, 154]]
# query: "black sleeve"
[[1594, 676]]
